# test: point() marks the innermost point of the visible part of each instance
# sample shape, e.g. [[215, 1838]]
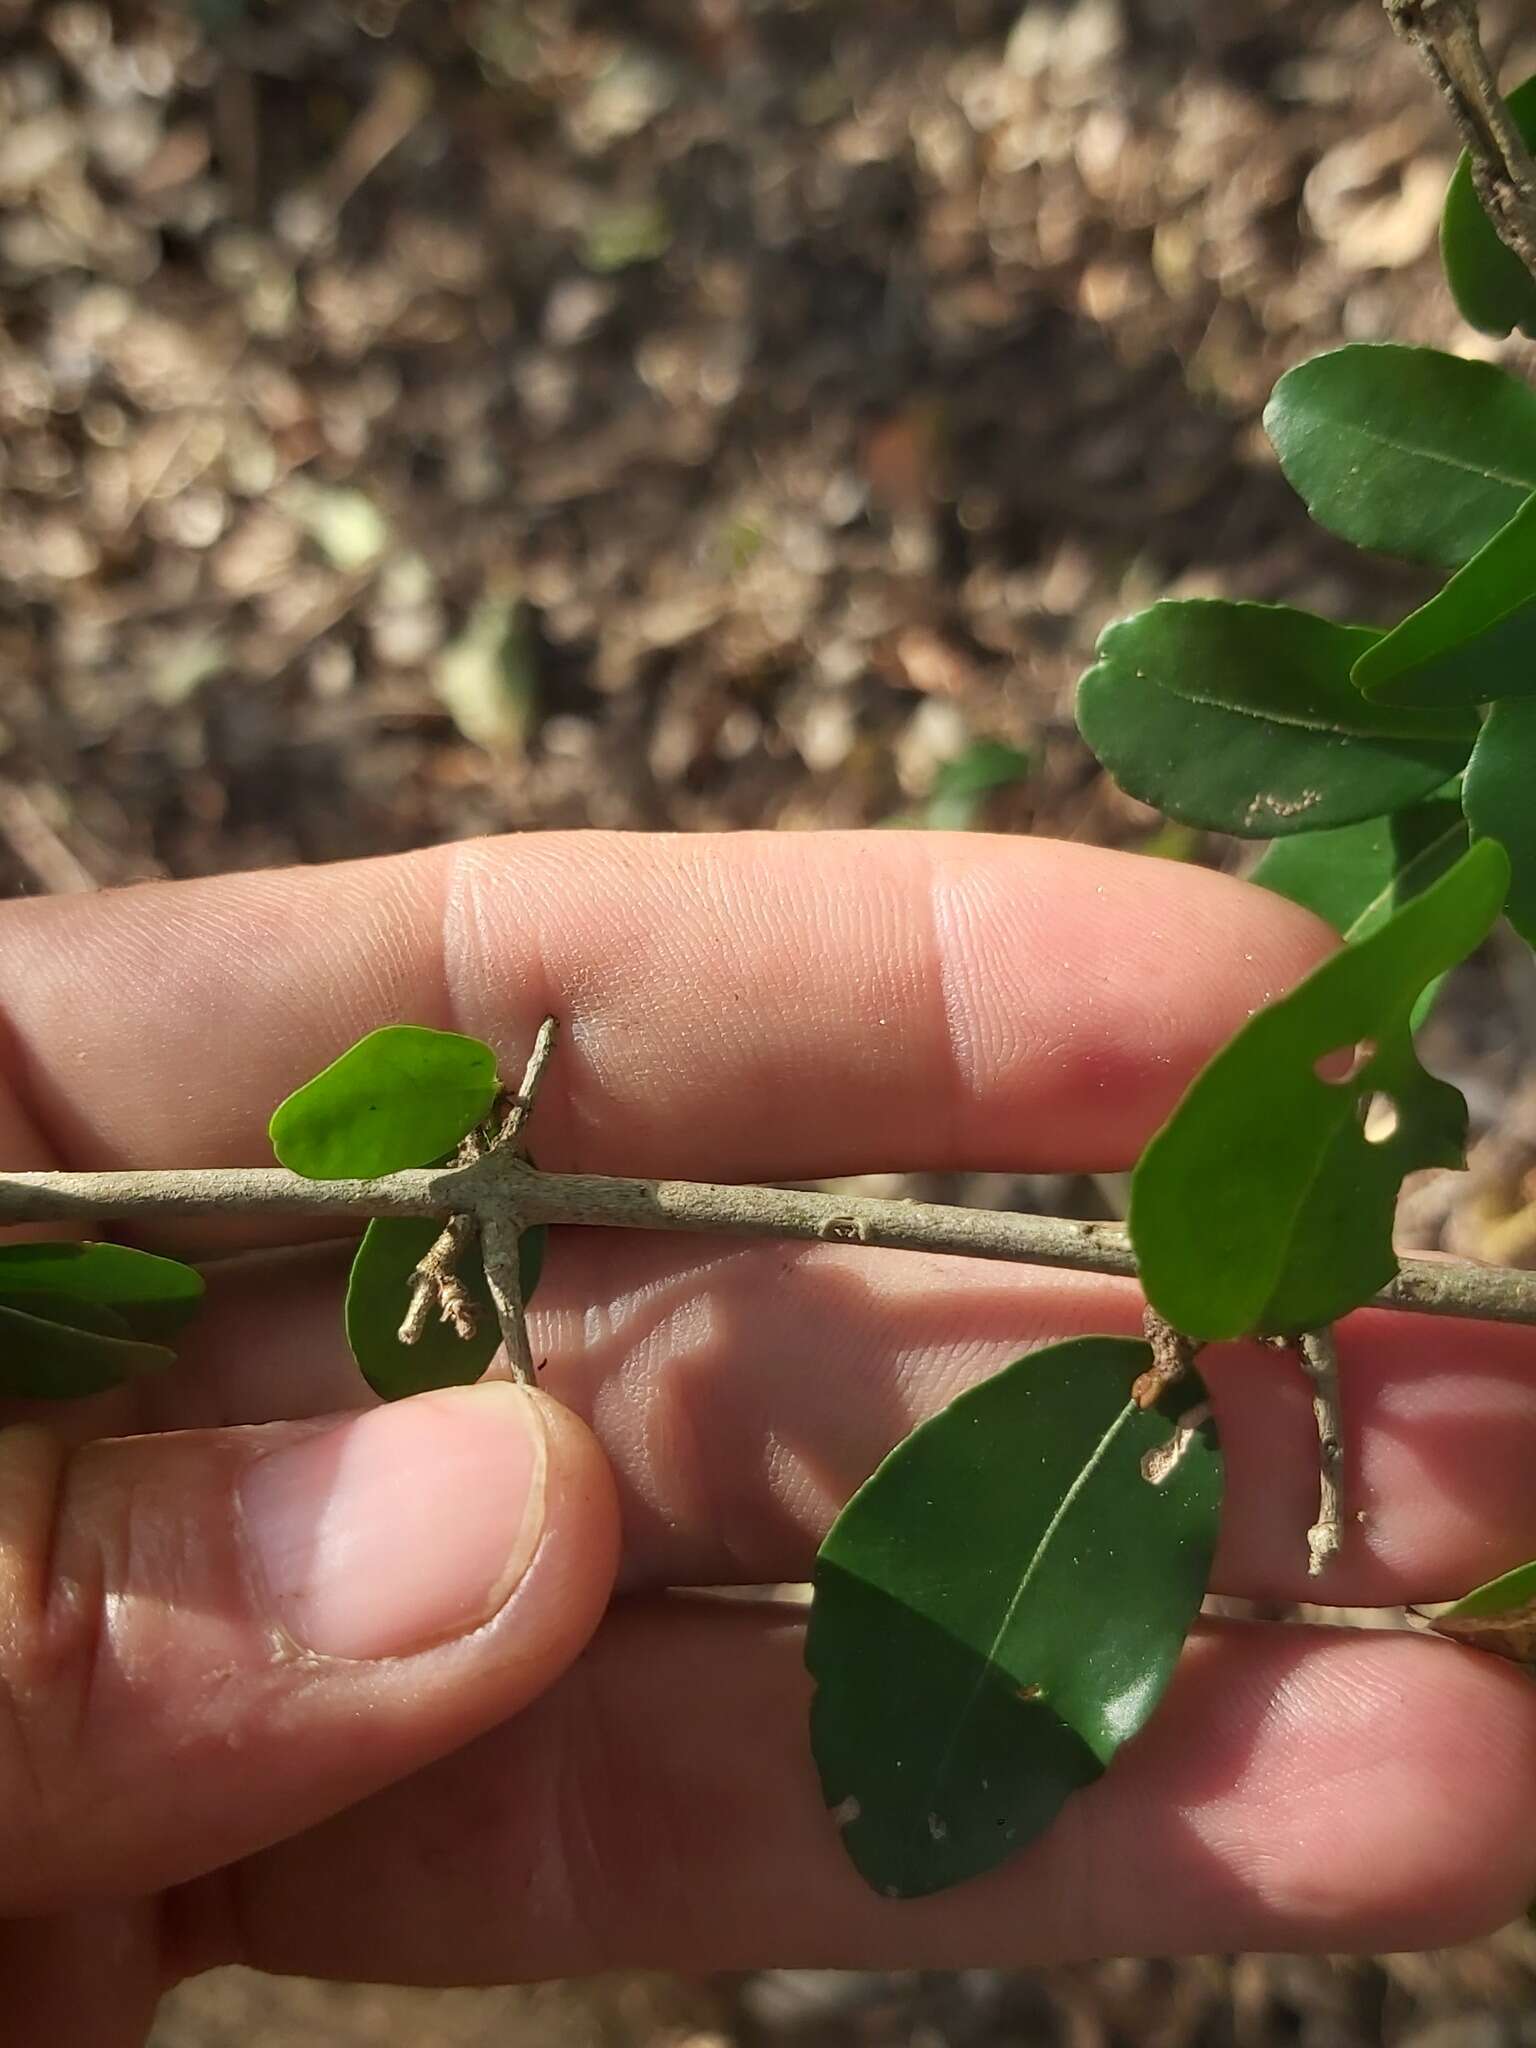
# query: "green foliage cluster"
[[403, 1097], [1001, 1605]]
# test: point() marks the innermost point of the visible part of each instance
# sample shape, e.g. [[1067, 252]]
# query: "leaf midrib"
[[1267, 717], [1010, 1613], [1525, 485]]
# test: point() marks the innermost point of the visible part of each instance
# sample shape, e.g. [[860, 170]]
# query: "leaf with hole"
[[1266, 1202], [1492, 288], [1475, 640], [62, 1348], [1001, 1606], [1500, 800], [378, 1294], [155, 1297], [1406, 450], [1242, 718], [401, 1097]]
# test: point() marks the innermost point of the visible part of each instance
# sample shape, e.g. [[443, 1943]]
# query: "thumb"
[[209, 1641]]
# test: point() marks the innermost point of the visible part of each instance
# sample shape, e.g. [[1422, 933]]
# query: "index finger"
[[742, 1006]]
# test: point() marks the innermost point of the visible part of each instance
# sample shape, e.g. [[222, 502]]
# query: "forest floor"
[[424, 419]]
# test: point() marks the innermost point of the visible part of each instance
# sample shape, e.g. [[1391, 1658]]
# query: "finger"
[[210, 1640], [1299, 1789], [772, 1005], [744, 1392]]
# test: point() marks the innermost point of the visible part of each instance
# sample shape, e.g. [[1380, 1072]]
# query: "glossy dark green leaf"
[[1001, 1606], [1242, 718], [1475, 640], [1357, 876], [1491, 286], [60, 1360], [401, 1097], [1406, 450], [1499, 1616], [1266, 1201], [378, 1292], [155, 1296], [1500, 800]]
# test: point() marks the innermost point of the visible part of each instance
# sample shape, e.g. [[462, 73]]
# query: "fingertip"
[[1357, 1791], [572, 1577]]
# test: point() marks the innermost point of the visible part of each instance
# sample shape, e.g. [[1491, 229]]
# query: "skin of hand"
[[340, 1690]]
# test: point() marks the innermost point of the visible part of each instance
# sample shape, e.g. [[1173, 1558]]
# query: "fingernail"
[[401, 1528]]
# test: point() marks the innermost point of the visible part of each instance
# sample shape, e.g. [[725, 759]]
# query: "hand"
[[243, 1623]]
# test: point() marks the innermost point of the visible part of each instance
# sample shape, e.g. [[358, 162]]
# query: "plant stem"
[[503, 1272], [1446, 35], [1320, 1362], [502, 1186], [501, 1227]]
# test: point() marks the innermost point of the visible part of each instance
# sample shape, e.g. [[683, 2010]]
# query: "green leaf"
[[1357, 876], [154, 1296], [962, 786], [378, 1293], [1406, 450], [44, 1357], [1266, 1202], [1492, 288], [1001, 1606], [401, 1097], [1500, 800], [1499, 1616], [1242, 718], [1475, 640]]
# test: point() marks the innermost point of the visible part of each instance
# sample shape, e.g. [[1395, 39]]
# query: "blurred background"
[[421, 418]]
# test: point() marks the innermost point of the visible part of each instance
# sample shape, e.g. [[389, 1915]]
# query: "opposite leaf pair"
[[403, 1097]]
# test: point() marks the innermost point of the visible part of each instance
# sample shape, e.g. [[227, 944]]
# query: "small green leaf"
[[1492, 288], [154, 1296], [56, 1360], [1406, 450], [1242, 718], [1500, 799], [401, 1097], [1475, 640], [1001, 1606], [378, 1294], [1266, 1202], [1356, 877], [962, 785], [1499, 1616]]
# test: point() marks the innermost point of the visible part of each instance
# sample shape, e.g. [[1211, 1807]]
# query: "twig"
[[1320, 1362], [505, 1185], [437, 1284], [1445, 33], [503, 1270], [1173, 1354], [521, 1106], [501, 1230]]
